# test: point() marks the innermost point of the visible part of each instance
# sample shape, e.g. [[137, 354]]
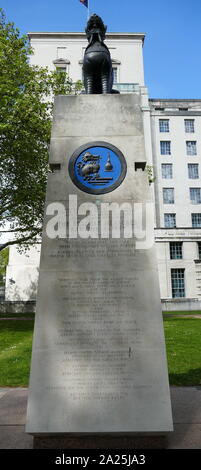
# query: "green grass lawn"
[[15, 352], [183, 342], [17, 315], [174, 312]]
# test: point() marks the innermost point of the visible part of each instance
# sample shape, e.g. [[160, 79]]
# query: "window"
[[165, 146], [195, 195], [189, 125], [176, 250], [61, 53], [168, 195], [199, 250], [170, 220], [191, 148], [61, 69], [177, 280], [166, 170], [114, 71], [193, 170], [196, 220], [164, 125]]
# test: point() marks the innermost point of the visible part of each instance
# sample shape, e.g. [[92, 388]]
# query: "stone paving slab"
[[14, 437], [186, 406], [3, 391], [185, 436], [13, 406]]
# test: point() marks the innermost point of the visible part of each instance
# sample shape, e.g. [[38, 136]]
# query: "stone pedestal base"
[[99, 367]]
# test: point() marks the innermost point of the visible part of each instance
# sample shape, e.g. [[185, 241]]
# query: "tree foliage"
[[4, 254], [26, 102]]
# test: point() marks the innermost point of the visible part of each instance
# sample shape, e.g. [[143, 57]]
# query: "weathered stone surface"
[[99, 362], [97, 115]]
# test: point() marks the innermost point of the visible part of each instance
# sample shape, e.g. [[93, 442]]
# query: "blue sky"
[[173, 34]]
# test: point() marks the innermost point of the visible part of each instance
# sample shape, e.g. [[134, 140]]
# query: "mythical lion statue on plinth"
[[97, 64]]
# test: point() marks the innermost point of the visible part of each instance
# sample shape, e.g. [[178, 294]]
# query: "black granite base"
[[100, 442]]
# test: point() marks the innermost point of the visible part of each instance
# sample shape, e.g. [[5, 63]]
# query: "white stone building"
[[66, 51], [173, 147], [176, 144]]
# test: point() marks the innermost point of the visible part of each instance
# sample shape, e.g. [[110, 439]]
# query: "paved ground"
[[186, 405]]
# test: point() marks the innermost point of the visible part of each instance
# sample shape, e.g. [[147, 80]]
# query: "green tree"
[[4, 254], [26, 102]]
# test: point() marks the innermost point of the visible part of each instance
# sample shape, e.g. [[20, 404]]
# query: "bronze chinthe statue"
[[97, 64]]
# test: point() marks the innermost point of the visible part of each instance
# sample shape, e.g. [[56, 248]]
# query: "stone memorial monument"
[[99, 361]]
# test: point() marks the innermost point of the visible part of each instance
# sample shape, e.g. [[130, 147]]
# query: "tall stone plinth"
[[99, 361]]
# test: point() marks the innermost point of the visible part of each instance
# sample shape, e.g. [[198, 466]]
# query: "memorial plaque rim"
[[86, 146]]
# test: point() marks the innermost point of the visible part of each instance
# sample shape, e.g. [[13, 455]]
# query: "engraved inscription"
[[97, 336], [96, 248]]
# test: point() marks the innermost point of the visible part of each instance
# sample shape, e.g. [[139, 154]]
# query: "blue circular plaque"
[[97, 167]]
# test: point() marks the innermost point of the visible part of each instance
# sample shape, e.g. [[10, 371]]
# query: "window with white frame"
[[170, 220], [176, 250], [61, 53], [177, 281], [193, 170], [61, 69], [114, 71], [166, 170], [189, 125], [164, 125], [165, 147], [62, 65], [199, 250], [191, 147], [196, 220], [168, 195], [195, 195]]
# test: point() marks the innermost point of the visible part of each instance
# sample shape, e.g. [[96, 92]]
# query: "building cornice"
[[79, 35], [175, 107], [172, 100]]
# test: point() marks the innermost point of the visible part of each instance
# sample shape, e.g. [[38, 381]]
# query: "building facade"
[[65, 51], [173, 147], [176, 145]]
